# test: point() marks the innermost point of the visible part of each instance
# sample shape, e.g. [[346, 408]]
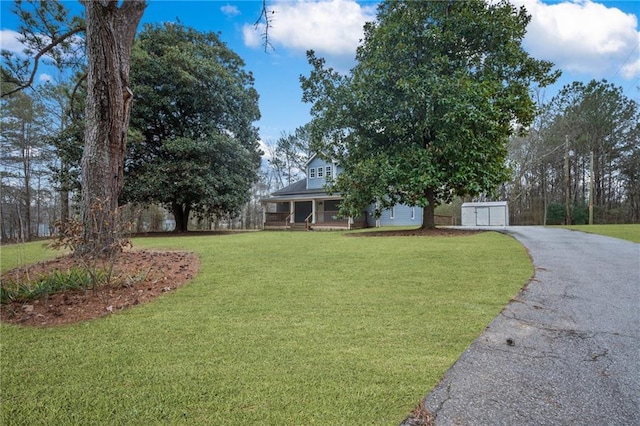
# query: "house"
[[306, 204]]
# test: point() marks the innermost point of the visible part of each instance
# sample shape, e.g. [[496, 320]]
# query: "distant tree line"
[[582, 151]]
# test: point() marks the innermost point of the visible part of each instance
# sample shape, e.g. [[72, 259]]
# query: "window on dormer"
[[327, 172], [312, 173], [320, 172]]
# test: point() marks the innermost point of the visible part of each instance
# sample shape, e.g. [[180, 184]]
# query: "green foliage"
[[56, 282], [23, 154], [426, 113], [356, 333], [45, 27], [597, 119], [556, 214], [579, 214], [68, 142], [194, 144]]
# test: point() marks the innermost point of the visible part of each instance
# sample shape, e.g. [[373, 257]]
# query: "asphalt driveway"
[[565, 351]]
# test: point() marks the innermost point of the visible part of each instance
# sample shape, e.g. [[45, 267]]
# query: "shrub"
[[556, 214]]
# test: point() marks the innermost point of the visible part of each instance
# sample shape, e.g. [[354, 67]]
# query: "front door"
[[302, 210]]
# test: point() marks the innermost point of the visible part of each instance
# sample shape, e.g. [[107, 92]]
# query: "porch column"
[[313, 211], [264, 214], [292, 209]]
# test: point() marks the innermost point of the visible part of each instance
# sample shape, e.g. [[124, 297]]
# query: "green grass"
[[15, 255], [278, 328], [630, 232]]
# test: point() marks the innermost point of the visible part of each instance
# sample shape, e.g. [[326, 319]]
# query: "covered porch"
[[307, 213]]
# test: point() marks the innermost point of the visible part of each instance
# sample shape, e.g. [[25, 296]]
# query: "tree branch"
[[36, 59], [265, 13]]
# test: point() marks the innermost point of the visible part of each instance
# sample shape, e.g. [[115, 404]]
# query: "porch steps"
[[297, 227]]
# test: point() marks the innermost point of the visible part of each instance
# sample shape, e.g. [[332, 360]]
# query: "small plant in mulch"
[[90, 272], [96, 267], [21, 290]]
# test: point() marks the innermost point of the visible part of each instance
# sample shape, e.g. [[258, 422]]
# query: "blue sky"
[[585, 39]]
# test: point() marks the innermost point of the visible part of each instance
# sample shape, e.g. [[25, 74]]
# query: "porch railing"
[[277, 218], [326, 218], [334, 218], [330, 217], [307, 221]]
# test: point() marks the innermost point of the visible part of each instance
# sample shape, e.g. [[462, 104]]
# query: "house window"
[[320, 172], [327, 172], [393, 213], [312, 173], [413, 213]]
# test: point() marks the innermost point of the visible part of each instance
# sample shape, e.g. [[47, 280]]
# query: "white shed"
[[490, 213]]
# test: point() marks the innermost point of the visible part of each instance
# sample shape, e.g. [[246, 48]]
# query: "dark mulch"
[[138, 277]]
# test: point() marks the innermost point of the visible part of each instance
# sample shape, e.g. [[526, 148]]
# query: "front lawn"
[[278, 328], [630, 232]]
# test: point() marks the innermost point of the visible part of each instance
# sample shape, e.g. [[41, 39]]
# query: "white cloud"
[[330, 27], [265, 148], [45, 78], [230, 10], [631, 70], [9, 41], [252, 35], [583, 36]]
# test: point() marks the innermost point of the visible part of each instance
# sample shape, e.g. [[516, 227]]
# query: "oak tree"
[[426, 113], [195, 106]]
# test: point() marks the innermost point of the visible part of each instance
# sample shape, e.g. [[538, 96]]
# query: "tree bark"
[[428, 212], [64, 206], [110, 35], [181, 217]]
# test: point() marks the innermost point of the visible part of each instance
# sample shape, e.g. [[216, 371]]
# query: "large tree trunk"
[[110, 35], [181, 216], [428, 212]]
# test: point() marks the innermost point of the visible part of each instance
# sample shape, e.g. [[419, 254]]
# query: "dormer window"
[[312, 173], [327, 172], [320, 172]]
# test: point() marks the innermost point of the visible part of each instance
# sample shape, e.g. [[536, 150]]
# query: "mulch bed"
[[137, 277]]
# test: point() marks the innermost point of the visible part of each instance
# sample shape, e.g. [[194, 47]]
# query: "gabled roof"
[[298, 191], [294, 188], [310, 160], [314, 156]]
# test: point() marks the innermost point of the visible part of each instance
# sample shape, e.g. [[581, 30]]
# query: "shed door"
[[498, 215], [482, 216], [468, 216]]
